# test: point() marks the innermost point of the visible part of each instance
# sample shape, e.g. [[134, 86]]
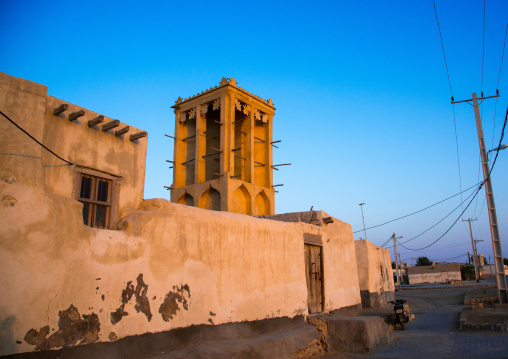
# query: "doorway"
[[314, 277]]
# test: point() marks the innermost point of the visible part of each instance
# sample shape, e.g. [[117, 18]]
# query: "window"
[[96, 194]]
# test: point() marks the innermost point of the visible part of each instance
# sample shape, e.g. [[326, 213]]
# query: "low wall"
[[437, 273], [489, 270]]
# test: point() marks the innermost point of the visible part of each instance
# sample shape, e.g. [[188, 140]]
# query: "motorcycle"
[[400, 312]]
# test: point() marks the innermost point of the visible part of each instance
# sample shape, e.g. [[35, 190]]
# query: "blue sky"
[[361, 91]]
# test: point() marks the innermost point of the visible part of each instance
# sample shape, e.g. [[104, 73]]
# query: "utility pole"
[[494, 229], [395, 256], [400, 268], [412, 261], [477, 256], [476, 274], [363, 219]]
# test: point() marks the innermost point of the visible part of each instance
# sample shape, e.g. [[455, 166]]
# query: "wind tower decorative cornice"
[[224, 82]]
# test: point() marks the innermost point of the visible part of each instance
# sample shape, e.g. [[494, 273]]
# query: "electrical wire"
[[441, 220], [440, 249], [479, 169], [385, 243], [497, 86], [421, 210], [476, 193], [450, 258], [479, 230], [483, 46], [448, 215], [448, 230], [457, 149], [442, 47], [29, 135], [451, 94]]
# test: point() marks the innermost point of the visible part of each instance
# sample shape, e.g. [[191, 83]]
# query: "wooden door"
[[313, 273]]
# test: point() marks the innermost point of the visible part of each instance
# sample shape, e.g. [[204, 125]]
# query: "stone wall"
[[375, 274]]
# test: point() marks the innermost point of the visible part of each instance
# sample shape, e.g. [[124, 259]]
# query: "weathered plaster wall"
[[23, 102], [92, 148], [374, 273], [170, 266], [28, 104], [341, 286], [340, 271]]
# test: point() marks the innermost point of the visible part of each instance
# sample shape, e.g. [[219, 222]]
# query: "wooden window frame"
[[111, 219]]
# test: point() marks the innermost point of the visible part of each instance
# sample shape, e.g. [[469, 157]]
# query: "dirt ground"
[[489, 315]]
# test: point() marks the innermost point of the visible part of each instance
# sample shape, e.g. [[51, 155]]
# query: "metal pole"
[[472, 245], [494, 229], [363, 219]]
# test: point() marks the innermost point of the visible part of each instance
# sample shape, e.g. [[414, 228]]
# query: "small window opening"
[[95, 194]]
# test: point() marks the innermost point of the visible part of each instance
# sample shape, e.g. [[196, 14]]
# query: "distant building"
[[437, 273]]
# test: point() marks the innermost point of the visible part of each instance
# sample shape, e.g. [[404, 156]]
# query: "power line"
[[451, 94], [449, 214], [502, 56], [385, 243], [421, 210], [448, 230], [441, 220], [450, 258], [476, 203], [500, 141], [442, 47], [29, 135], [440, 249], [497, 86], [483, 46], [457, 149], [476, 193]]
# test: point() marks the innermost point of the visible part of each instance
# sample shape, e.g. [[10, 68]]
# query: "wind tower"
[[223, 151]]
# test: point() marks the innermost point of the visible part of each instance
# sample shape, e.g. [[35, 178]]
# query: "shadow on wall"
[[7, 340]]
